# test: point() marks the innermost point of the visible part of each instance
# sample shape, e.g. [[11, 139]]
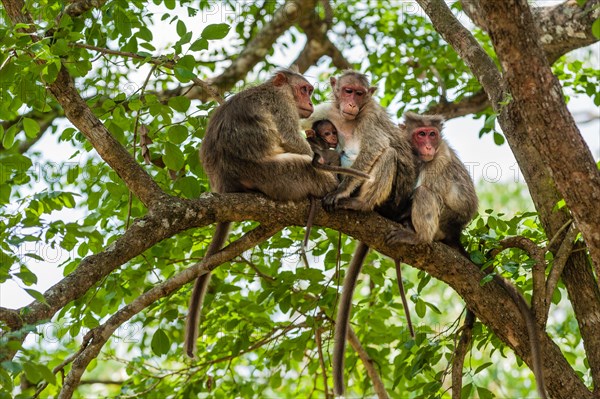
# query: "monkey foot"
[[401, 236]]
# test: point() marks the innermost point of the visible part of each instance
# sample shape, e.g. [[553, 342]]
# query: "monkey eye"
[[360, 93], [422, 133], [348, 91]]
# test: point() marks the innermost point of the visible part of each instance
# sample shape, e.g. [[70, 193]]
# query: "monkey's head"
[[301, 90], [327, 131], [425, 133], [351, 93]]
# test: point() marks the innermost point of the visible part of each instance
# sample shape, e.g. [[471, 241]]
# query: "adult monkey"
[[443, 204], [252, 144], [371, 143]]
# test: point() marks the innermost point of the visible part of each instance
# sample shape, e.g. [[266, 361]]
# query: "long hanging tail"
[[199, 291], [403, 296], [343, 317]]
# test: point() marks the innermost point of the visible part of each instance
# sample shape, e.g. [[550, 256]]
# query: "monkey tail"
[[199, 291], [343, 317], [403, 296], [338, 169]]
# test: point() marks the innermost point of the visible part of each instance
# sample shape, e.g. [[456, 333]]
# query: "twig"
[[368, 363], [560, 260], [319, 344]]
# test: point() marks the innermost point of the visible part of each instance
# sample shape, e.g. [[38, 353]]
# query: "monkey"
[[444, 199], [252, 144], [370, 142], [443, 203], [323, 140]]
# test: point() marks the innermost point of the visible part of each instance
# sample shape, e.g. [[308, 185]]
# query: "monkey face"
[[350, 95], [328, 133], [426, 140], [302, 93]]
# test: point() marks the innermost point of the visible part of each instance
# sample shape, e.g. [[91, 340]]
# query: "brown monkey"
[[444, 200], [252, 144], [370, 142], [323, 139], [443, 203]]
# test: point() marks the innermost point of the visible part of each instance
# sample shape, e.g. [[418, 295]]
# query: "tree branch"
[[558, 265], [368, 363], [538, 298], [97, 337], [78, 7]]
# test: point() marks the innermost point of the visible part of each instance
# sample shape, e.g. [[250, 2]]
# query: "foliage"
[[264, 309]]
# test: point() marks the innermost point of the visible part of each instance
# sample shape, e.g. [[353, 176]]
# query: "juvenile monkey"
[[252, 144], [443, 203], [371, 143], [323, 139]]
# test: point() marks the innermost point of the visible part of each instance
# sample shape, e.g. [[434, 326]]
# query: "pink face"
[[302, 93], [426, 140], [329, 133], [352, 98]]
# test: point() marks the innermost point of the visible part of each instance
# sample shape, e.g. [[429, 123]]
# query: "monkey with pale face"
[[252, 144]]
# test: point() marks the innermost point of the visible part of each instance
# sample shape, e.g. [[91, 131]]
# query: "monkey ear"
[[372, 89], [280, 79], [310, 133], [332, 81], [294, 68]]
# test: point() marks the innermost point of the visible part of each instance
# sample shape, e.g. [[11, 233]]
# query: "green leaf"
[[199, 45], [596, 28], [32, 128], [420, 308], [160, 343], [189, 187], [177, 134], [173, 157], [184, 75], [180, 103], [9, 137], [498, 138], [36, 295], [181, 29], [215, 31], [32, 372], [484, 393]]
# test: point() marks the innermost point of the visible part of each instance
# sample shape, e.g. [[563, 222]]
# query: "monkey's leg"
[[377, 189], [343, 317], [199, 291], [402, 235], [403, 296]]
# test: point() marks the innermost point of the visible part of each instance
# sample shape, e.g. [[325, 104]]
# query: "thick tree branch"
[[537, 93], [318, 44], [78, 7], [97, 337]]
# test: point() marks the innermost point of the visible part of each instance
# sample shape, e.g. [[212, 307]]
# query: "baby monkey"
[[323, 139]]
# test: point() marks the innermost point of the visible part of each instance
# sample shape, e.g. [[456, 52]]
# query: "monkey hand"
[[401, 235]]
